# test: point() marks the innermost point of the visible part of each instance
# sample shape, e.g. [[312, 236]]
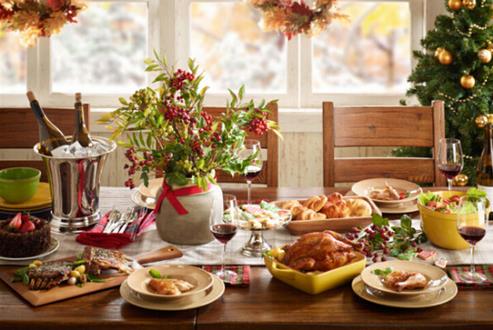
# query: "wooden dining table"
[[265, 304]]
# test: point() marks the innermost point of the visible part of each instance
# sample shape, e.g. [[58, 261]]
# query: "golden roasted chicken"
[[321, 251]]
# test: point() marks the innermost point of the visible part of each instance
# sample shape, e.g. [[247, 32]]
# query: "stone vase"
[[192, 228]]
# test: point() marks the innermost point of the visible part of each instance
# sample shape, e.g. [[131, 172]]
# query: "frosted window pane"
[[369, 54], [104, 52], [229, 45], [13, 64]]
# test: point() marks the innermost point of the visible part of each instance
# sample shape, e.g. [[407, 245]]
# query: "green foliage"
[[432, 80], [166, 129]]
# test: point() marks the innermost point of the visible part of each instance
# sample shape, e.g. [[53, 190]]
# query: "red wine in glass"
[[252, 171], [472, 234], [223, 232], [450, 171]]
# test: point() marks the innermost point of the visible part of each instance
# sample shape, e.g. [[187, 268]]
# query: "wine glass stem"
[[473, 268], [449, 183], [222, 260], [249, 191]]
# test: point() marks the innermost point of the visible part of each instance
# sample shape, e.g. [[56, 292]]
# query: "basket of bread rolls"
[[331, 212]]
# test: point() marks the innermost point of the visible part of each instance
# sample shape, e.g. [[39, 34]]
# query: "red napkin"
[[96, 237], [487, 270], [243, 271]]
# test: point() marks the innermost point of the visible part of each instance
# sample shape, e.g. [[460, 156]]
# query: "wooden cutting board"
[[65, 291]]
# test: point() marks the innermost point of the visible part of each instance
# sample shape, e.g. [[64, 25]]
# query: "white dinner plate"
[[364, 187], [54, 245], [436, 277], [185, 303], [140, 200], [139, 280], [446, 294]]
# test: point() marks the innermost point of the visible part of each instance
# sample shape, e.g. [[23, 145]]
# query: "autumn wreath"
[[37, 18], [293, 17]]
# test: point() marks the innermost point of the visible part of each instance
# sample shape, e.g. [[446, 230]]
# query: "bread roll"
[[359, 208], [336, 210], [334, 198], [316, 202]]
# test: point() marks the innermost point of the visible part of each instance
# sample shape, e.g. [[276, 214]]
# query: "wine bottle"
[[50, 136], [81, 133], [484, 171]]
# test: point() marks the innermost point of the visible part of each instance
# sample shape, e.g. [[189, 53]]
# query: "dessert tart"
[[24, 236]]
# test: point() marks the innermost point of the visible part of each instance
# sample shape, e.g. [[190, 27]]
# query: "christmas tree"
[[456, 66]]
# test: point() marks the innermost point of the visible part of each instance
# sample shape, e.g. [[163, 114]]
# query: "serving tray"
[[300, 227], [65, 291]]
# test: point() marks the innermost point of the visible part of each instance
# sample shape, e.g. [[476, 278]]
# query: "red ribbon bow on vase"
[[172, 194]]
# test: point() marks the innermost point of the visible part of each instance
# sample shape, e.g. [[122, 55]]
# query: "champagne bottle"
[[50, 136], [81, 133], [484, 171]]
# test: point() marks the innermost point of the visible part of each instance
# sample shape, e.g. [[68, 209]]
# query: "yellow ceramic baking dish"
[[441, 228], [314, 283]]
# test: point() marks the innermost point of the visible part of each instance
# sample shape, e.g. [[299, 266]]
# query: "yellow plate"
[[41, 199], [441, 228], [315, 283]]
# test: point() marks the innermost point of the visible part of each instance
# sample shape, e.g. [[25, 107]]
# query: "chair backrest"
[[19, 130], [270, 171], [382, 127]]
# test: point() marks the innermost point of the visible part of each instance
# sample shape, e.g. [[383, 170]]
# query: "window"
[[13, 66], [234, 50], [102, 55], [104, 52]]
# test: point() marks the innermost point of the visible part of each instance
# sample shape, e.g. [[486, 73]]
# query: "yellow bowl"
[[315, 283], [441, 228]]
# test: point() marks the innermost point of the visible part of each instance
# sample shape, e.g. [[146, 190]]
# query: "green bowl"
[[18, 184]]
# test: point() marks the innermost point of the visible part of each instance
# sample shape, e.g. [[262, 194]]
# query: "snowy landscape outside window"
[[13, 64], [369, 54], [102, 55], [104, 52], [228, 43]]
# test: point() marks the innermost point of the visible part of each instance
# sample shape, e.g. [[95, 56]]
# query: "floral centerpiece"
[[37, 18], [168, 132]]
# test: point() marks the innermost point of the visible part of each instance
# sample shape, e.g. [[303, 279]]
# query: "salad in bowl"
[[438, 211]]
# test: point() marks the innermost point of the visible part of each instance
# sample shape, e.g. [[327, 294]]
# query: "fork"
[[128, 218], [113, 218]]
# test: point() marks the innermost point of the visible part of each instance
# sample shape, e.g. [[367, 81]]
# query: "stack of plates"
[[440, 288], [39, 205], [146, 196], [406, 205], [207, 288]]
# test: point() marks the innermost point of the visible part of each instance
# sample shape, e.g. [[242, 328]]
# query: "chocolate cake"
[[24, 236]]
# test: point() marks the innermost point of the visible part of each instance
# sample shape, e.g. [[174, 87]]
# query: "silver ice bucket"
[[74, 184]]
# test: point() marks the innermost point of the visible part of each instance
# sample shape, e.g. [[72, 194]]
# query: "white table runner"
[[210, 253]]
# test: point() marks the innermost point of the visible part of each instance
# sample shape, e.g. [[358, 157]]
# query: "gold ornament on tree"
[[438, 51], [445, 57], [460, 180], [481, 121], [455, 4], [467, 81], [484, 56], [469, 4]]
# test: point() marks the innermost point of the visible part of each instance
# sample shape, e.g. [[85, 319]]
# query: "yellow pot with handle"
[[441, 228]]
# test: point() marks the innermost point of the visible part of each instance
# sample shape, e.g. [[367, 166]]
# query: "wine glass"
[[224, 229], [253, 151], [450, 159], [472, 220]]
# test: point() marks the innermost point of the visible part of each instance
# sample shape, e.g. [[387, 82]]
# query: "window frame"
[[169, 32]]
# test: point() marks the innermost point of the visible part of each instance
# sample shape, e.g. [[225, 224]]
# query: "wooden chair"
[[270, 171], [19, 130], [382, 127]]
